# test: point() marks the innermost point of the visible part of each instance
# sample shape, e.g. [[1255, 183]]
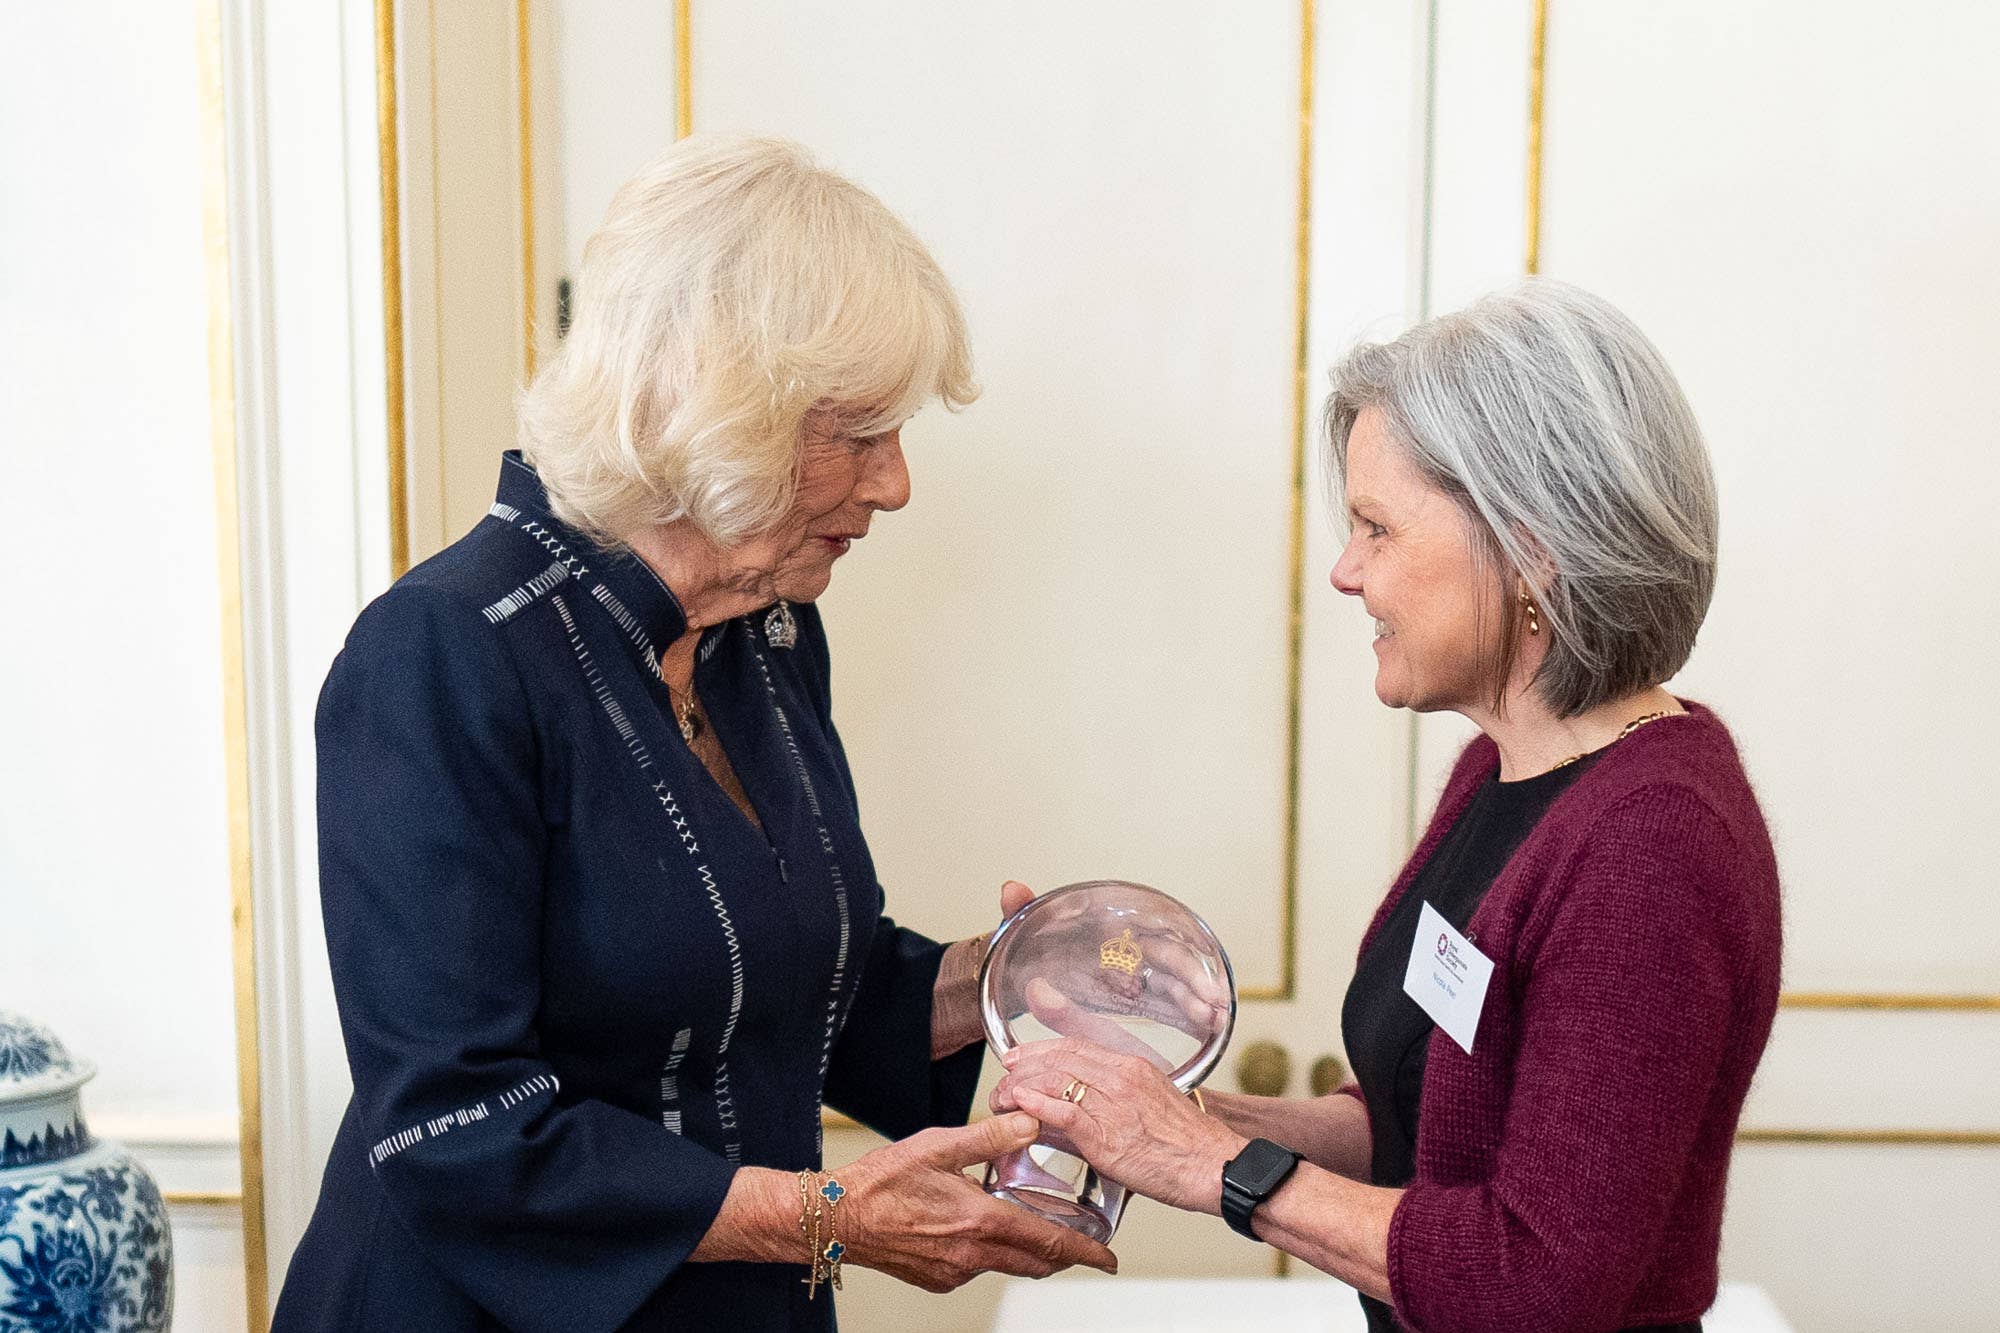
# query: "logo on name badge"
[[1450, 984]]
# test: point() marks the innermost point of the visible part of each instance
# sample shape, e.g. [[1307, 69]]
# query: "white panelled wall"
[[115, 906], [114, 848], [1068, 658]]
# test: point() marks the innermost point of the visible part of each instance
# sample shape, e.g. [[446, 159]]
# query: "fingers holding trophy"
[[1120, 965]]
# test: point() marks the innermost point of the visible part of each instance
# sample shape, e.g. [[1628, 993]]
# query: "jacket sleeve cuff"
[[882, 1073]]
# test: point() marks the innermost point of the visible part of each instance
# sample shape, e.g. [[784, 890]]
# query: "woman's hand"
[[1125, 1117], [911, 1214], [955, 1021]]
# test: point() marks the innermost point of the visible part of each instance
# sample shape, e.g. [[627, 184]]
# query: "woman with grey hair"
[[1592, 917], [605, 933]]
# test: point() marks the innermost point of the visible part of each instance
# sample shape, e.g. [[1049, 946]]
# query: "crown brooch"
[[1120, 955]]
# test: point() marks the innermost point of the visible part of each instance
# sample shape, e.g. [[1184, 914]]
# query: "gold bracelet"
[[1199, 1104], [809, 1216], [819, 1202]]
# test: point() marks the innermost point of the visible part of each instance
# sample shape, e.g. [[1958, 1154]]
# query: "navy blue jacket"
[[578, 988]]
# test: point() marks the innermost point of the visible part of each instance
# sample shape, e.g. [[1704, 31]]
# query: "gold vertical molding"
[[388, 151], [683, 68], [235, 703], [434, 169], [1538, 50], [523, 87], [1295, 621]]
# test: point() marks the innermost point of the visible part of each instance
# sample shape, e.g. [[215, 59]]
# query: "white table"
[[1258, 1305]]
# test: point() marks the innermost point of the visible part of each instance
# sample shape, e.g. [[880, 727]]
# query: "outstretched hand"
[[1124, 1116], [910, 1213]]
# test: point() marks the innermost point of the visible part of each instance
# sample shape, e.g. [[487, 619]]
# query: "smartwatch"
[[1251, 1177]]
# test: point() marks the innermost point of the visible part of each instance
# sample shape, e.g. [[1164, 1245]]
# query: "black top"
[[1387, 1034], [578, 988]]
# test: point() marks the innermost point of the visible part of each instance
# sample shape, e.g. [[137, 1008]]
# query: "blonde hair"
[[734, 287]]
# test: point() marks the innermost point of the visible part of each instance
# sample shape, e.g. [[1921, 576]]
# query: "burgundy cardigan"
[[1570, 1171]]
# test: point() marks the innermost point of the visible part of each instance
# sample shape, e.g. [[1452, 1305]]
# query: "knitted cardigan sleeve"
[[1626, 985]]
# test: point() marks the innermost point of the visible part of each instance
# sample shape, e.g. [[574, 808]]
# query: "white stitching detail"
[[439, 1126], [524, 596], [629, 622], [833, 1007], [725, 1105]]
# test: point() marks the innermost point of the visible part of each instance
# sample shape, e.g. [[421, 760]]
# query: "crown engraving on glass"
[[1120, 955]]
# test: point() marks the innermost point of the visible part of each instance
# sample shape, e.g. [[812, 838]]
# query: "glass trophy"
[[1119, 964]]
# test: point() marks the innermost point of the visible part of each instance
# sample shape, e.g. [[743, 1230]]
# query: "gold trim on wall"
[[386, 132], [1912, 1001], [1909, 1001], [1538, 49], [683, 68], [1295, 623], [1900, 1138], [526, 122], [201, 1198], [235, 701]]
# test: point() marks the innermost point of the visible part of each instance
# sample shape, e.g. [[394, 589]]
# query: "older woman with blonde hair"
[[604, 929], [1558, 1008]]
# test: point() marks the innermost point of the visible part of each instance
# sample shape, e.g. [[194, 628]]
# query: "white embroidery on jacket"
[[628, 622], [725, 1104], [524, 596], [439, 1126], [670, 1084], [834, 1015]]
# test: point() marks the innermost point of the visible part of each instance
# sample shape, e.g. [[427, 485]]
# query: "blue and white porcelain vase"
[[84, 1246]]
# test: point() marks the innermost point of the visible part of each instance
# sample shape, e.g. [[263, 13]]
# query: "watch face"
[[1261, 1166]]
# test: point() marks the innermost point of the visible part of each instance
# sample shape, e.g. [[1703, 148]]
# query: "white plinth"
[[1259, 1305]]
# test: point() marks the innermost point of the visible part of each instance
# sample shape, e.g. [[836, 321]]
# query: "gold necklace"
[[1625, 731], [690, 725]]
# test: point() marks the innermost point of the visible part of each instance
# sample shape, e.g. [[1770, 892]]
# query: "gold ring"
[[1073, 1094], [1199, 1104]]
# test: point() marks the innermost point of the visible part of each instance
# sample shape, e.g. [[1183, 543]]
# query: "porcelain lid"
[[34, 1063]]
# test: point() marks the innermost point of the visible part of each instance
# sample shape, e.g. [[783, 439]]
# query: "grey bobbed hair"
[[1557, 427]]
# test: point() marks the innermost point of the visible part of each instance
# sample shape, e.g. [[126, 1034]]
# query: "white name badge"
[[1447, 977]]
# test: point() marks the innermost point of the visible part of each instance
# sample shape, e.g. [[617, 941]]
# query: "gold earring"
[[1534, 617]]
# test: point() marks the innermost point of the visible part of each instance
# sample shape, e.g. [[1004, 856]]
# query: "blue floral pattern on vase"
[[86, 1251], [84, 1241], [26, 1048]]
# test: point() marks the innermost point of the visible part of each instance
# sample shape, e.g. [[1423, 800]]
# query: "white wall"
[[111, 792], [114, 881]]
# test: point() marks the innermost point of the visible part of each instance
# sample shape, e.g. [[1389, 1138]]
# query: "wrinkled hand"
[[1132, 1124], [911, 1214]]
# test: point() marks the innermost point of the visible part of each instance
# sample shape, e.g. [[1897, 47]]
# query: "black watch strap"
[[1251, 1177]]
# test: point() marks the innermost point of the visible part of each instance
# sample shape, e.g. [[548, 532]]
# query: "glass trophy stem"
[[1050, 1179]]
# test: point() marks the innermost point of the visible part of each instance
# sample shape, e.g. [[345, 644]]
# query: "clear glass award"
[[1119, 964]]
